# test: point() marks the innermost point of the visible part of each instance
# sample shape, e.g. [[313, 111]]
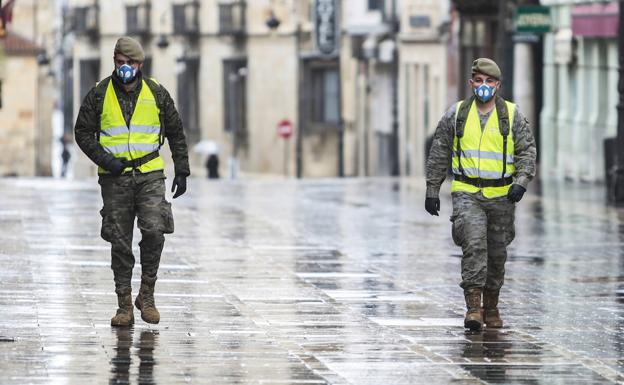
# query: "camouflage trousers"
[[127, 197], [483, 228]]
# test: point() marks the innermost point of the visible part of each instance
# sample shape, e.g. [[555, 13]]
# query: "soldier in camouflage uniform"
[[122, 124], [492, 165]]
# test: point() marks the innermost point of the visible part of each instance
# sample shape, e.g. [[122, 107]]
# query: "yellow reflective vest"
[[137, 140], [482, 153]]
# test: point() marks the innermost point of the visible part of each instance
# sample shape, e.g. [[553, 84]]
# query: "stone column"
[[563, 111], [548, 143], [598, 122], [581, 114], [524, 80], [597, 119], [563, 122]]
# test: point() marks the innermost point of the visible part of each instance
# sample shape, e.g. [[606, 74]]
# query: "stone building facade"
[[580, 89], [27, 90], [238, 68]]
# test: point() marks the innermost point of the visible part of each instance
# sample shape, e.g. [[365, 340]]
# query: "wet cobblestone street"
[[311, 282]]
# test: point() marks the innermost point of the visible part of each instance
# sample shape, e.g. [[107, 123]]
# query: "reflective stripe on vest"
[[482, 152], [138, 140]]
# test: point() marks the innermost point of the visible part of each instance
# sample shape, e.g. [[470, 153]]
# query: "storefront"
[[580, 90]]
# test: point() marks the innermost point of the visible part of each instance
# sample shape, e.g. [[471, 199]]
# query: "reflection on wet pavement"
[[311, 282], [125, 352]]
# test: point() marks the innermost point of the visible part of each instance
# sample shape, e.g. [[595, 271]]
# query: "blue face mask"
[[126, 73], [484, 92]]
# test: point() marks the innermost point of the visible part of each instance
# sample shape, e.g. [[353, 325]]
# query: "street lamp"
[[163, 42], [272, 22]]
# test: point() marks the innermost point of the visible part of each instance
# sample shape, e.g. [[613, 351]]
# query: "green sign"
[[532, 19]]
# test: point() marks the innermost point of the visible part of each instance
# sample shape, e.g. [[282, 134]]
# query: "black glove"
[[178, 185], [515, 193], [432, 205], [117, 166]]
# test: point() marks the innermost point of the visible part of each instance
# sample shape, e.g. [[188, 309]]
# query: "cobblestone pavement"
[[311, 282]]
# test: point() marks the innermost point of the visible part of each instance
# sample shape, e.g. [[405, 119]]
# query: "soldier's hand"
[[178, 185], [515, 193], [117, 166], [432, 205]]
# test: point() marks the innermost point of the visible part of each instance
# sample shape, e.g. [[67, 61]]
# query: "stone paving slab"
[[309, 282]]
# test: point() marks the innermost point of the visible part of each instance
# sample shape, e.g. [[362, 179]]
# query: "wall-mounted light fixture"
[[272, 21]]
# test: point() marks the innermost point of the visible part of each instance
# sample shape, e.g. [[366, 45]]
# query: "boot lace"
[[148, 300]]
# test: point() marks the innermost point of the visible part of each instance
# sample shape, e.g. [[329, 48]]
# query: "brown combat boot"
[[474, 319], [124, 316], [490, 307], [145, 301]]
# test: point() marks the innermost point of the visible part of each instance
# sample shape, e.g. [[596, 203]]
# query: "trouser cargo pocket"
[[166, 223], [456, 229], [108, 226]]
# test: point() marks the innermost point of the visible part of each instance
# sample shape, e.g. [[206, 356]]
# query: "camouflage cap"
[[487, 67], [131, 48]]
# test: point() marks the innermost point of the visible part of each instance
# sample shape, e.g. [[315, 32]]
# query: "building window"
[[234, 96], [478, 39], [188, 97], [375, 5], [324, 88], [86, 20], [137, 19], [89, 75], [232, 18], [185, 18]]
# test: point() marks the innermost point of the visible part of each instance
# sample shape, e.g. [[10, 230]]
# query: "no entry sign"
[[284, 128]]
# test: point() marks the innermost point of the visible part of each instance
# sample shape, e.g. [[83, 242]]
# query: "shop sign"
[[532, 19], [326, 32]]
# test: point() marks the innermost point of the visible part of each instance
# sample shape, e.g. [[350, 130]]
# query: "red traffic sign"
[[285, 128]]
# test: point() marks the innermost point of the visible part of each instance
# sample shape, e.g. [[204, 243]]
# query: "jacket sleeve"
[[525, 152], [439, 159], [174, 132], [86, 131]]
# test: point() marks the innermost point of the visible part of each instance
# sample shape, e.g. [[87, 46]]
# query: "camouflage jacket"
[[439, 159], [87, 126]]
